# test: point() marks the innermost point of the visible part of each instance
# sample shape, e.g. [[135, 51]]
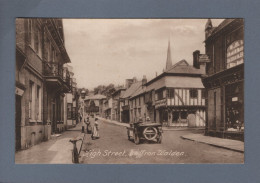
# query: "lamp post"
[[83, 95]]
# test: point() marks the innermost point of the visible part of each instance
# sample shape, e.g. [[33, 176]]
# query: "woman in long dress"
[[95, 134]]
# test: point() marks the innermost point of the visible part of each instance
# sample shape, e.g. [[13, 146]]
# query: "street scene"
[[129, 91]]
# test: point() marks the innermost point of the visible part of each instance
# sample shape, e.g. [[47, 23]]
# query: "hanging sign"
[[204, 58], [19, 91]]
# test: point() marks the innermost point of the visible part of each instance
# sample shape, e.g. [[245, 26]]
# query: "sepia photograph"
[[129, 91]]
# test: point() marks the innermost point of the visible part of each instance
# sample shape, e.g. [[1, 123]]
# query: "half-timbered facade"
[[225, 78], [177, 96]]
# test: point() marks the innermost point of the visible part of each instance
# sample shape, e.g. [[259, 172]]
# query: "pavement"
[[229, 144], [57, 150]]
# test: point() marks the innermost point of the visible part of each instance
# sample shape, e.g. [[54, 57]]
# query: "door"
[[192, 120], [18, 113], [53, 124]]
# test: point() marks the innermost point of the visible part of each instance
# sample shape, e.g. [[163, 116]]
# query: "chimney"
[[144, 80], [134, 80], [196, 55], [128, 83]]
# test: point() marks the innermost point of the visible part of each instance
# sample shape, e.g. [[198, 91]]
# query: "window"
[[160, 95], [69, 111], [193, 93], [30, 31], [30, 98], [39, 103], [184, 114], [235, 54], [53, 54], [170, 93], [203, 93], [36, 40]]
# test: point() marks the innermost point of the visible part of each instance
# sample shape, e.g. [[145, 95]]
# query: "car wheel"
[[136, 139], [159, 139]]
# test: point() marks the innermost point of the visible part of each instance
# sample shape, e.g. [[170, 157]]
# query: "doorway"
[[18, 113], [53, 124]]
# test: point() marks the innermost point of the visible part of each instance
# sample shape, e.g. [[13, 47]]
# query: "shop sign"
[[160, 103], [234, 99], [204, 58]]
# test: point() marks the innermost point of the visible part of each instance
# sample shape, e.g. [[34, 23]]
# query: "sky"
[[104, 51]]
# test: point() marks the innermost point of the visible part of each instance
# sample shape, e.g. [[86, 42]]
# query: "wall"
[[32, 135], [211, 111]]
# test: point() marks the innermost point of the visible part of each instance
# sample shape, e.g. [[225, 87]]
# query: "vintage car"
[[145, 130]]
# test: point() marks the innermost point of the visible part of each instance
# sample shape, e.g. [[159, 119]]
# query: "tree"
[[80, 89]]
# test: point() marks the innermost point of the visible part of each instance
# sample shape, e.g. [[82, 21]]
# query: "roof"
[[139, 91], [130, 91], [183, 67], [183, 82], [221, 26], [180, 68], [96, 97]]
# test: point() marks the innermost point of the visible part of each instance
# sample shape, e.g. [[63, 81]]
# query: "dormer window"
[[235, 54]]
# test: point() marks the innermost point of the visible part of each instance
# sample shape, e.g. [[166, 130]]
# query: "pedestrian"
[[95, 129], [87, 122], [80, 117]]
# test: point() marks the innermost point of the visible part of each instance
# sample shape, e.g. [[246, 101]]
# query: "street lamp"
[[83, 95]]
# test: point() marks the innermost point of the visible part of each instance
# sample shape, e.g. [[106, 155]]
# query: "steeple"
[[169, 58]]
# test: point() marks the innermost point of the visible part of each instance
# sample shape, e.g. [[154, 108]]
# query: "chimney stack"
[[144, 80], [196, 55]]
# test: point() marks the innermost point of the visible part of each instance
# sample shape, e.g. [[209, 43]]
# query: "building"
[[117, 104], [71, 105], [127, 109], [176, 97], [106, 107], [92, 103], [41, 80], [137, 104], [225, 78]]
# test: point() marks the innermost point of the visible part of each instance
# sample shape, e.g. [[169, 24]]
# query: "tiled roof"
[[183, 67], [130, 91], [139, 91]]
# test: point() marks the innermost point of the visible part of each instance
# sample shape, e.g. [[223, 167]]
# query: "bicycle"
[[75, 153]]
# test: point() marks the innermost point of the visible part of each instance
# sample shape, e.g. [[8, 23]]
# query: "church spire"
[[169, 58]]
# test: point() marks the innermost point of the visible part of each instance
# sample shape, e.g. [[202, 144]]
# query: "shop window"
[[175, 116], [184, 114], [193, 93], [235, 54]]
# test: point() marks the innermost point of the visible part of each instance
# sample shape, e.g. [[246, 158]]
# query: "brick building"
[[41, 80], [225, 78]]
